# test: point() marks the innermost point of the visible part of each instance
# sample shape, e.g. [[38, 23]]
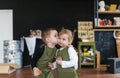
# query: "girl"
[[67, 59]]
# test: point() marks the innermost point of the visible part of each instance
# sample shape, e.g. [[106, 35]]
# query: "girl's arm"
[[73, 59], [52, 65]]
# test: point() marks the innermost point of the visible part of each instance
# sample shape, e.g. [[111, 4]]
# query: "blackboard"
[[106, 44]]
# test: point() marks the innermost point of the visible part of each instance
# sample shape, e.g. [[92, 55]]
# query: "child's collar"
[[62, 48]]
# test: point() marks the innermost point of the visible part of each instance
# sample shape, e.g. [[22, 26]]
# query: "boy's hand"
[[50, 65], [36, 71]]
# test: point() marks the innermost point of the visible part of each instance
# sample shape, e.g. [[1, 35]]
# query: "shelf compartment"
[[86, 59]]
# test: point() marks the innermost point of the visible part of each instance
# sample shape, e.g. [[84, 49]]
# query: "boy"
[[45, 54]]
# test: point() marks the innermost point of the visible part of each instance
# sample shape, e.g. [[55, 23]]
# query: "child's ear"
[[69, 43], [46, 39]]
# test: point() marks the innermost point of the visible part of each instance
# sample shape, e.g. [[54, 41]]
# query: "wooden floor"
[[83, 73]]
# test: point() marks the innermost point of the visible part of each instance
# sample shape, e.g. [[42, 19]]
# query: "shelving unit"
[[106, 15], [87, 59]]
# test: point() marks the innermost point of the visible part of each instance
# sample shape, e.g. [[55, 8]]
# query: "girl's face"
[[63, 40]]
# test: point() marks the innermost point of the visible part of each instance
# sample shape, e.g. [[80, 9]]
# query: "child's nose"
[[58, 40]]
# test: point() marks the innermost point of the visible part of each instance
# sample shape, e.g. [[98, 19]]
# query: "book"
[[6, 68]]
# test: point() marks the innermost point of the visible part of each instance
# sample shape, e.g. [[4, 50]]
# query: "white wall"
[[6, 28]]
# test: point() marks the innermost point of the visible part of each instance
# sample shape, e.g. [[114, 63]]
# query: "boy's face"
[[53, 38], [63, 40]]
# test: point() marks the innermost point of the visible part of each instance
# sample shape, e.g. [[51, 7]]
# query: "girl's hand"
[[36, 71], [59, 60], [50, 65]]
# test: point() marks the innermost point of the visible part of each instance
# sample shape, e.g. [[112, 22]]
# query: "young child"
[[43, 56], [67, 59], [116, 34]]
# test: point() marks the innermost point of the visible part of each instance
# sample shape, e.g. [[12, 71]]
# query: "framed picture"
[[85, 31]]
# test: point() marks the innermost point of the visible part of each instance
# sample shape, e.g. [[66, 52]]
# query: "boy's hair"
[[46, 32], [69, 33]]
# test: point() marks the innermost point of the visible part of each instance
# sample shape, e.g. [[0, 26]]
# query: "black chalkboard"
[[106, 44]]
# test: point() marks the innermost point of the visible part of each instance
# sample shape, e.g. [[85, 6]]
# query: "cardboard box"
[[7, 68]]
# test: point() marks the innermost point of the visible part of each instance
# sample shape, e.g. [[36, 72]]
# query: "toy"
[[91, 51], [85, 51], [102, 6]]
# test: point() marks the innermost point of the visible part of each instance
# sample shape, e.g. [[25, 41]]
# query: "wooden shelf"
[[86, 56], [87, 63], [109, 12], [106, 28]]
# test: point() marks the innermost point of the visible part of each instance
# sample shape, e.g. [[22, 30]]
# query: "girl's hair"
[[46, 32], [69, 33]]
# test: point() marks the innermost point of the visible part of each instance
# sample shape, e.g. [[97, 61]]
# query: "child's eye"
[[63, 39], [56, 36]]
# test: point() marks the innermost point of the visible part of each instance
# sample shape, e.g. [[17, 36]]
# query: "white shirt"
[[73, 62], [31, 42]]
